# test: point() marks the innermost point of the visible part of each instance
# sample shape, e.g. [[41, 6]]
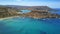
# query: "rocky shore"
[[41, 14], [37, 12]]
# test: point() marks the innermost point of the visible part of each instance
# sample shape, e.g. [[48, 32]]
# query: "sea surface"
[[56, 11], [26, 25]]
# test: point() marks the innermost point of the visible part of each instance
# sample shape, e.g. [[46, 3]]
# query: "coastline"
[[8, 17]]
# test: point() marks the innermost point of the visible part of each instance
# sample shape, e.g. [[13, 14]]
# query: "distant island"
[[36, 11]]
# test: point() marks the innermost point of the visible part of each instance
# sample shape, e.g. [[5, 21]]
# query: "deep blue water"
[[56, 12], [26, 25]]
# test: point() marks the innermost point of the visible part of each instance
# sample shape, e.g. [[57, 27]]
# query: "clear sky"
[[50, 3]]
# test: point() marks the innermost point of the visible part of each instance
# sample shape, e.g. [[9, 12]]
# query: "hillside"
[[28, 7], [36, 11], [7, 11]]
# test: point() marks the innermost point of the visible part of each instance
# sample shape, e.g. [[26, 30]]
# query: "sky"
[[50, 3]]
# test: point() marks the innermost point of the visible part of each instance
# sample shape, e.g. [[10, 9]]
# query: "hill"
[[37, 11], [28, 7], [7, 11]]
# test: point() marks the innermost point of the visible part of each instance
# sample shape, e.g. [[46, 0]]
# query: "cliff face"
[[42, 14], [6, 12]]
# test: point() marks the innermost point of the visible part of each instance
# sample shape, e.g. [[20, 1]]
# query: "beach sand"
[[9, 17]]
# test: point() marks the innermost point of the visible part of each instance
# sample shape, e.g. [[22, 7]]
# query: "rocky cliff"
[[37, 11], [42, 14]]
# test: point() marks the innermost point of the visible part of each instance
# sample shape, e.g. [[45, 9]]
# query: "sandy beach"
[[8, 17]]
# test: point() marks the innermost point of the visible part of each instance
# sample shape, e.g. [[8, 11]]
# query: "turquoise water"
[[25, 11], [25, 25]]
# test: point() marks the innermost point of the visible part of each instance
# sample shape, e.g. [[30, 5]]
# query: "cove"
[[26, 25]]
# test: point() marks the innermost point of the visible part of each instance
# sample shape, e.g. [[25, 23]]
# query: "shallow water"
[[27, 25], [26, 11]]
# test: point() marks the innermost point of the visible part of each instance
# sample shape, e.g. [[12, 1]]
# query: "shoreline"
[[8, 17], [20, 16]]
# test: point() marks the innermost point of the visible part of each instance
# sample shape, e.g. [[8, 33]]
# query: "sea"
[[27, 25]]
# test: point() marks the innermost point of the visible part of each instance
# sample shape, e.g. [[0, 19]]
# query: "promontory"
[[36, 11]]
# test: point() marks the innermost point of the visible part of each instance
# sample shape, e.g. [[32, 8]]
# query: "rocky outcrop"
[[42, 14], [37, 11]]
